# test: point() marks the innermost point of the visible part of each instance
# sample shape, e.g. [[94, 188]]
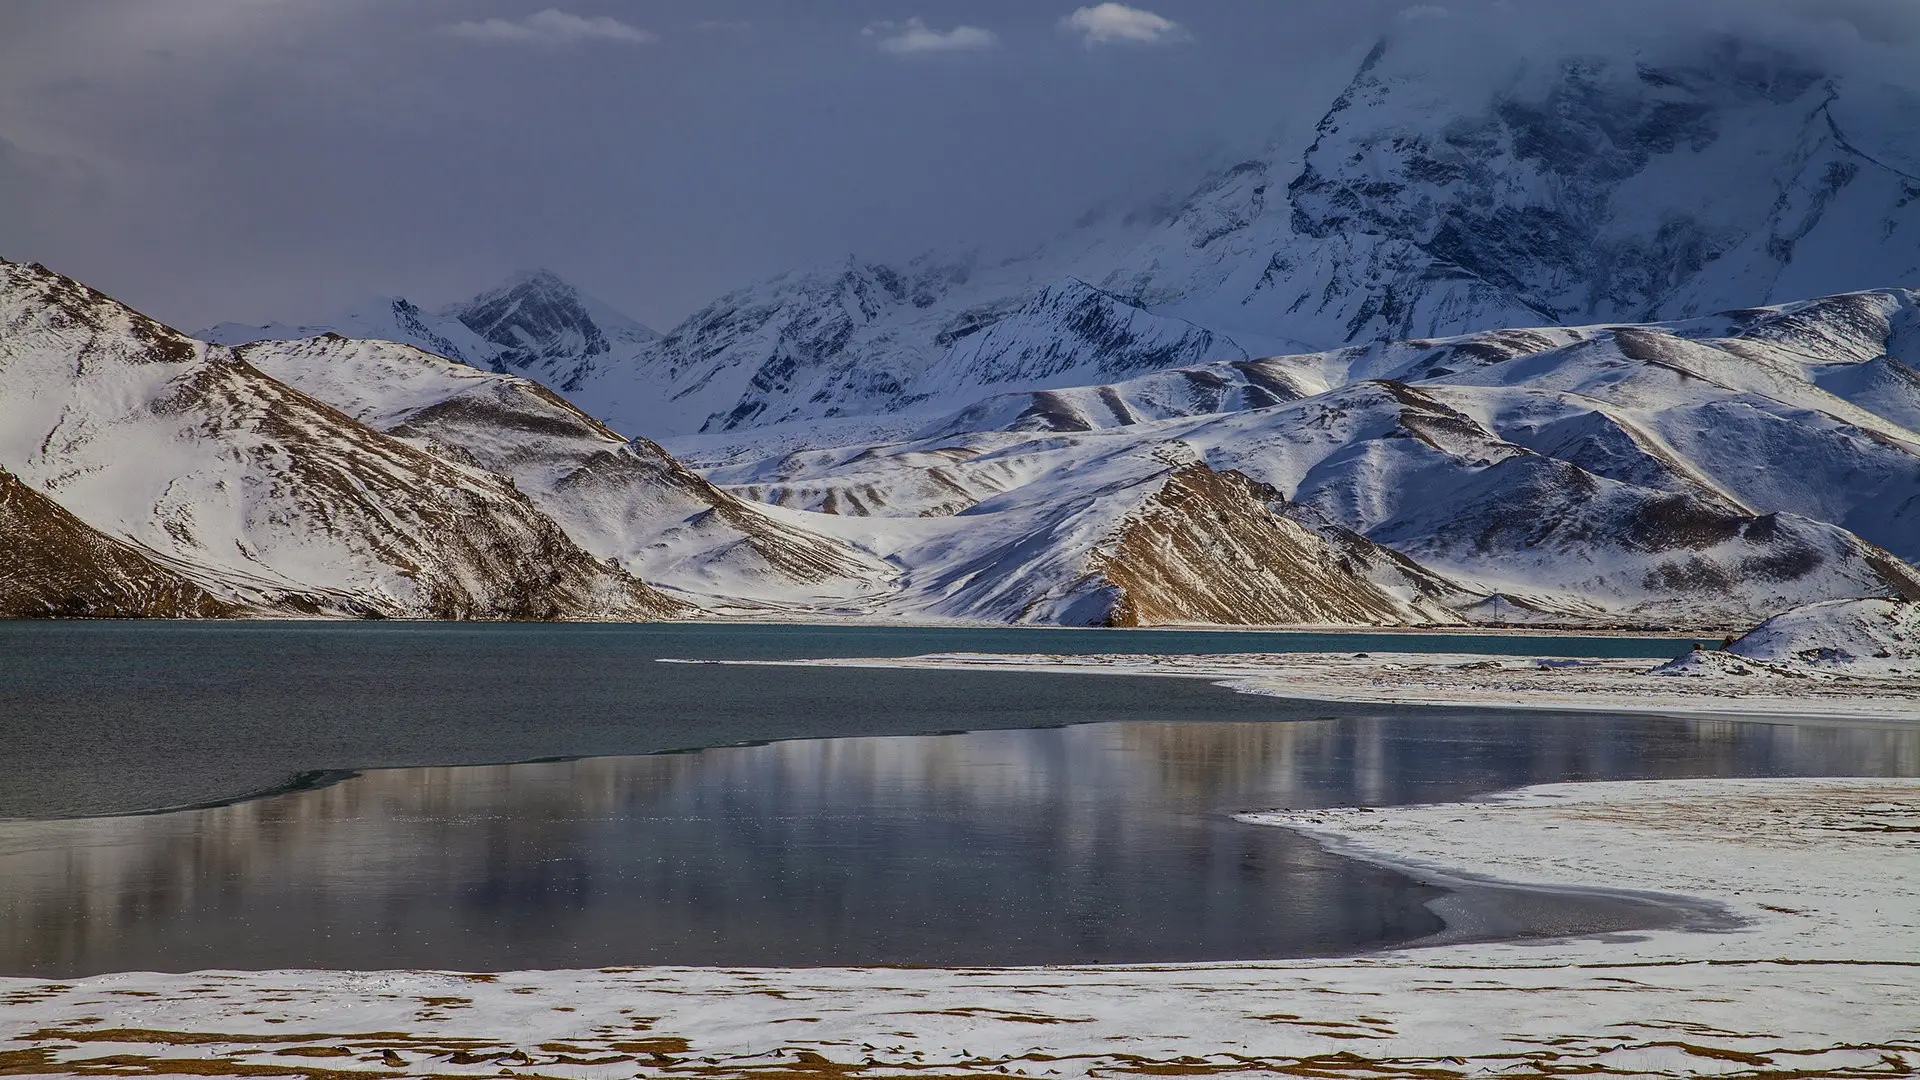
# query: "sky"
[[262, 160]]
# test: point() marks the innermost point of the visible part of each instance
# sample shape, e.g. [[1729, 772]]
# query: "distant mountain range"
[[1538, 359], [1583, 190], [1699, 473], [534, 325], [147, 473]]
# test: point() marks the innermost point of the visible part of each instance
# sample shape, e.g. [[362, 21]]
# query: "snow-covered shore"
[[1755, 690], [1817, 980]]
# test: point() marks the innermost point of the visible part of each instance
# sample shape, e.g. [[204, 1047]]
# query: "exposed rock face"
[[534, 324], [261, 494], [1072, 333], [1207, 548], [53, 566], [839, 339]]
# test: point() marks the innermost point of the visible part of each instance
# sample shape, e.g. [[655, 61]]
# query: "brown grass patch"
[[1003, 1014]]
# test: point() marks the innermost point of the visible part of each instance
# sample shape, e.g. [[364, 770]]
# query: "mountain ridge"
[[1629, 186], [262, 496]]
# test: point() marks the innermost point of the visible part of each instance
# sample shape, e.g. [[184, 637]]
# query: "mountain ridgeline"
[[1605, 188], [1544, 358]]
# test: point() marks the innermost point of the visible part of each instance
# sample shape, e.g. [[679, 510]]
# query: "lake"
[[822, 815]]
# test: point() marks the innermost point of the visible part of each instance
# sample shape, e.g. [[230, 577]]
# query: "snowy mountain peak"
[[534, 324], [543, 327], [384, 318], [1664, 181], [1595, 188]]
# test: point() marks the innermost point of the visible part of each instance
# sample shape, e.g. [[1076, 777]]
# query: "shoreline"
[[866, 622], [1818, 871], [1462, 680]]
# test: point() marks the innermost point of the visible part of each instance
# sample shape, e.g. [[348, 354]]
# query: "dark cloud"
[[261, 159]]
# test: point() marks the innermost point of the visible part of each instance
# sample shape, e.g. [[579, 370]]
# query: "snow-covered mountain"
[[620, 500], [1642, 183], [1286, 397], [1703, 472], [1618, 189], [1585, 189], [195, 467], [57, 566], [542, 327], [534, 324]]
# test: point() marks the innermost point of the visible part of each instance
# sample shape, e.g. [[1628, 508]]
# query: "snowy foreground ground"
[[1713, 683], [1818, 978]]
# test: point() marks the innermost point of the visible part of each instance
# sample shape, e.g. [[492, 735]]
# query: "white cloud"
[[552, 27], [914, 36], [1104, 24]]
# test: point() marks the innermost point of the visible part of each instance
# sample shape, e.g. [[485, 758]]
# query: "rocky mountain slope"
[[184, 454], [52, 566], [542, 327], [1140, 537], [1209, 547], [1697, 473], [620, 500]]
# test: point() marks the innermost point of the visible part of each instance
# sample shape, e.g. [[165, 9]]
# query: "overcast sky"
[[282, 159]]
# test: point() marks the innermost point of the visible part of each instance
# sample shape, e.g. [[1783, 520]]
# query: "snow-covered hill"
[[1871, 636], [183, 453], [55, 566], [1864, 638], [626, 501], [1705, 472], [1696, 473]]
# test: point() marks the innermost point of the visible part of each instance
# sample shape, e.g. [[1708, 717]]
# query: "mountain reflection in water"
[[1097, 843]]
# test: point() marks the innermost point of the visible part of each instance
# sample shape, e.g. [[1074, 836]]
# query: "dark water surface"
[[100, 718], [866, 840]]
